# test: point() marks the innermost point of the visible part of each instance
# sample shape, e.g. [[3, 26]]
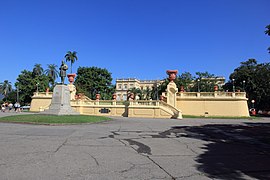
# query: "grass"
[[220, 117], [53, 119]]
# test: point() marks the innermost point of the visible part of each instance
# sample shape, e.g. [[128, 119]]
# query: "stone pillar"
[[171, 88], [71, 87]]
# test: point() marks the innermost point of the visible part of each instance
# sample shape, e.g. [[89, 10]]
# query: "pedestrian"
[[16, 106], [10, 106], [19, 107], [3, 107]]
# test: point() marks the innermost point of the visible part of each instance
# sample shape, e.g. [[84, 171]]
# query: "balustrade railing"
[[211, 94], [43, 94]]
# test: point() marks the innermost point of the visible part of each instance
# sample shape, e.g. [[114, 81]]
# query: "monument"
[[60, 104]]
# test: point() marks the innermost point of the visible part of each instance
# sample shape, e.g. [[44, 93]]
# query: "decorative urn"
[[172, 74]]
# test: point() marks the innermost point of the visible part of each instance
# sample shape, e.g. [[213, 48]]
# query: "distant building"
[[219, 80], [123, 85]]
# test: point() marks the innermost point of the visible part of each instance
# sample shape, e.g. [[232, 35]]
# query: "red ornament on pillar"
[[71, 78], [172, 74]]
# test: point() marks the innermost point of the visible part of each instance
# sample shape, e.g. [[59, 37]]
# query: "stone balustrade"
[[241, 95]]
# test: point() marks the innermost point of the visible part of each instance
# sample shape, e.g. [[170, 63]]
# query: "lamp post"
[[18, 93], [198, 85], [157, 92], [37, 86], [253, 101], [244, 82], [233, 85]]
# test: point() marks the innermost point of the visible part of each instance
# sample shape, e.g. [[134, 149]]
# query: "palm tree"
[[268, 30], [147, 93], [136, 92], [37, 70], [5, 88], [268, 33], [52, 72], [72, 57]]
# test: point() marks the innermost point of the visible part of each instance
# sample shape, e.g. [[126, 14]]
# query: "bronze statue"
[[63, 68]]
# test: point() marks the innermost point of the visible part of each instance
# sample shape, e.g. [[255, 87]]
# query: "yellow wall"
[[222, 104], [213, 107], [148, 112], [95, 110], [39, 102]]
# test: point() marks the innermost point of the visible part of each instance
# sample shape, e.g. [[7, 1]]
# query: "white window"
[[119, 86]]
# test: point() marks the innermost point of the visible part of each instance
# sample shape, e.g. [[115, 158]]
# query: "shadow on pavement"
[[233, 150]]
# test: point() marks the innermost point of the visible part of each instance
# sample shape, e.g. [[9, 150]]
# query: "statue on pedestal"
[[63, 68]]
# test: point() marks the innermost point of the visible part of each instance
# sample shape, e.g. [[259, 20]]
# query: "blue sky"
[[133, 38]]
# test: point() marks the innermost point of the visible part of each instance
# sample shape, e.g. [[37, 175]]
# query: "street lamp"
[[253, 101], [244, 82], [18, 93], [37, 86], [233, 85], [198, 85], [157, 92]]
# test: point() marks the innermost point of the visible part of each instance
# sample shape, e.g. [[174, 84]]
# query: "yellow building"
[[123, 85]]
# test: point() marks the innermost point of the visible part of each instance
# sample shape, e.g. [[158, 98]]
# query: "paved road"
[[135, 148]]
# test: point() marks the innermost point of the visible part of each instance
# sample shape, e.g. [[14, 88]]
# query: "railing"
[[43, 94], [144, 103], [211, 94], [175, 111], [95, 102]]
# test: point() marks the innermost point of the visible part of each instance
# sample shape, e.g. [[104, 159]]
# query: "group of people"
[[8, 107]]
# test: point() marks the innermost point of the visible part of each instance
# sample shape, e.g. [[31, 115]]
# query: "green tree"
[[257, 82], [267, 32], [93, 80], [136, 92], [38, 70], [72, 57], [186, 80], [5, 88], [205, 82], [52, 73], [28, 83]]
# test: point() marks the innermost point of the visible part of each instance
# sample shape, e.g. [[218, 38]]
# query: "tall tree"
[[257, 82], [6, 88], [186, 80], [38, 70], [72, 57], [205, 82], [93, 80], [28, 83], [267, 32], [52, 73]]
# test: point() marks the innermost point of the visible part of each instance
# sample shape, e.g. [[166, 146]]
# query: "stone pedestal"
[[171, 93], [72, 90], [60, 104], [171, 88]]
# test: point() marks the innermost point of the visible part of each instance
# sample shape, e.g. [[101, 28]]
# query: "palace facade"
[[123, 85]]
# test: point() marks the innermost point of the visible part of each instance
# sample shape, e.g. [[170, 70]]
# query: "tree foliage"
[[27, 82], [5, 88], [37, 70], [93, 80], [72, 57], [190, 83], [52, 73], [256, 78], [267, 32], [137, 93]]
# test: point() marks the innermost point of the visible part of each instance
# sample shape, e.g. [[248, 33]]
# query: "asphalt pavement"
[[137, 148]]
